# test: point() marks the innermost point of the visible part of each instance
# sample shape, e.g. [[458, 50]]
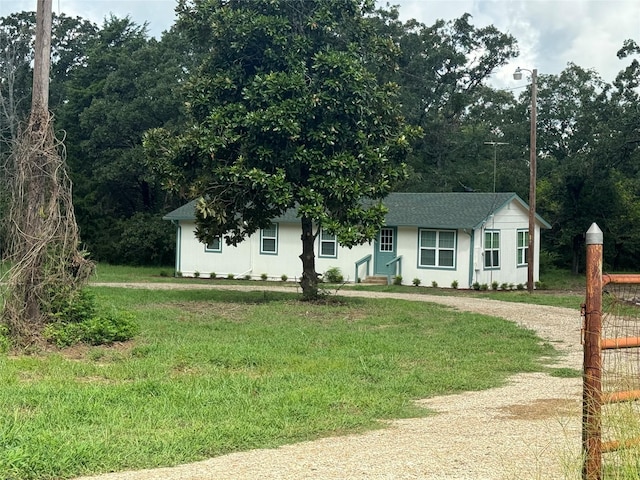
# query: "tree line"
[[111, 84]]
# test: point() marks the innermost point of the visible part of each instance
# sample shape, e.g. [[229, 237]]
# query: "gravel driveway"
[[527, 429]]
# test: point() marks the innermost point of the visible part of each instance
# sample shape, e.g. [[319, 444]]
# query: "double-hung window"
[[522, 247], [269, 240], [437, 248], [491, 249], [214, 245], [328, 244]]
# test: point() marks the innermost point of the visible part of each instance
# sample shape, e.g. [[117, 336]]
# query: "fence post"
[[592, 369]]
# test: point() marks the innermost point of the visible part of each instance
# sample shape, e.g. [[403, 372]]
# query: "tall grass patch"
[[214, 372]]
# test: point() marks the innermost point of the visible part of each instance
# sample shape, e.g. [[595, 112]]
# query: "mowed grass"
[[215, 372]]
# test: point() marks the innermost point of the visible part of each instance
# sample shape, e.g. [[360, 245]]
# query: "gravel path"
[[527, 429]]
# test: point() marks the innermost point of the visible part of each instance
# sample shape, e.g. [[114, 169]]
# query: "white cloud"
[[550, 33]]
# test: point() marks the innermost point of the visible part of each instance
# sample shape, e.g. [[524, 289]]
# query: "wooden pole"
[[592, 374], [532, 183], [41, 65]]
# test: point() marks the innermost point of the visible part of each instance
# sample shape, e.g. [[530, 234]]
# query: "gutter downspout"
[[471, 253]]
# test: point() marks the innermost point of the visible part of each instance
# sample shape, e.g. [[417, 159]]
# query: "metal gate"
[[611, 372]]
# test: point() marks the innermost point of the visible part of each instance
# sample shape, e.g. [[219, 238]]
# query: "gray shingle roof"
[[433, 210]]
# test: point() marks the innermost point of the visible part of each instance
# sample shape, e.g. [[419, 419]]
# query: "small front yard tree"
[[290, 109]]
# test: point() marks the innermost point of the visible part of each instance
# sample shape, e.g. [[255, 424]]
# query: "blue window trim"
[[526, 247], [455, 249], [262, 238], [485, 250], [321, 241]]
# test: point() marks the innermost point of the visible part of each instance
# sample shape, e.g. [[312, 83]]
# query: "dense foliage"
[[112, 83], [289, 109]]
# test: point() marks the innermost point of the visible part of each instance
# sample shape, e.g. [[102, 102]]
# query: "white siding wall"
[[246, 259], [507, 222]]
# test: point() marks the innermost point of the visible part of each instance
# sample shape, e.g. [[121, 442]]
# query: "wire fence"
[[611, 395]]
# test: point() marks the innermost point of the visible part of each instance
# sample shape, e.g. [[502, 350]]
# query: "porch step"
[[375, 280]]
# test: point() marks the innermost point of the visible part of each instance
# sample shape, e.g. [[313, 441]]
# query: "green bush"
[[284, 278], [434, 284], [74, 318], [416, 281], [454, 284], [110, 327], [71, 307], [98, 330], [333, 275], [504, 286], [476, 286], [397, 280], [494, 285], [196, 274], [264, 276]]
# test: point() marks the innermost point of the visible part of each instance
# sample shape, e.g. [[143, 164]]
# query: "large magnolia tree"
[[289, 109]]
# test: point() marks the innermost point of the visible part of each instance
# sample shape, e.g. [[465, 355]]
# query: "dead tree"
[[46, 262]]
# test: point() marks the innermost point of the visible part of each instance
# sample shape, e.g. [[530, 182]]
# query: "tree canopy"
[[289, 110], [275, 105]]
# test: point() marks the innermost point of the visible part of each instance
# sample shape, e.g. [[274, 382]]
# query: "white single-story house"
[[444, 238]]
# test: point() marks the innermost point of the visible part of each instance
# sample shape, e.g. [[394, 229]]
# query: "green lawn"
[[215, 372]]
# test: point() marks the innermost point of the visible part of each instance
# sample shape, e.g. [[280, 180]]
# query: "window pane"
[[446, 258], [427, 257], [269, 231], [386, 240], [327, 236], [214, 244], [328, 249], [495, 255], [268, 244], [496, 240], [447, 239], [427, 239], [523, 239]]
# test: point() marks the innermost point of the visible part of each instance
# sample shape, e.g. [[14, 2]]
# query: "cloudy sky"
[[550, 33]]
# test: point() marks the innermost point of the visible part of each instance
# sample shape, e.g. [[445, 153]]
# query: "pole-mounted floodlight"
[[517, 75]]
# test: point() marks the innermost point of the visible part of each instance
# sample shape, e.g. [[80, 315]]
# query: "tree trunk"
[[41, 67], [309, 281]]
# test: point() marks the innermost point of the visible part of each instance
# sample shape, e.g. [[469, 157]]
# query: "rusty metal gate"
[[611, 371]]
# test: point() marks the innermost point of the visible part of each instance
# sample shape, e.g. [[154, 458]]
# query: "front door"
[[385, 251]]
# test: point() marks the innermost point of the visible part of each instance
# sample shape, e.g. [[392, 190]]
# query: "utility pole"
[[532, 174], [532, 182]]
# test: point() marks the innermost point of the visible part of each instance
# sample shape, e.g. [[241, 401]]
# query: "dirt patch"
[[542, 409]]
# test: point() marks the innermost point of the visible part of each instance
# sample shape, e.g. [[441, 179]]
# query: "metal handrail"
[[366, 260], [398, 269]]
